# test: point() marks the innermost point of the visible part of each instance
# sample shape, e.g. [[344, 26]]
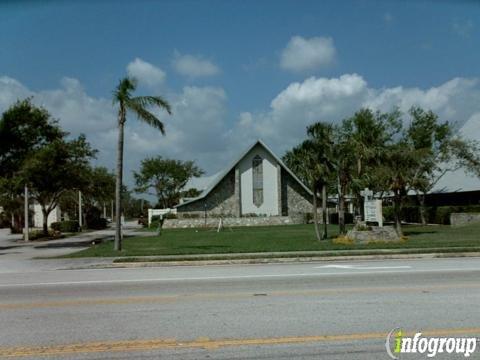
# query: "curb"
[[277, 260]]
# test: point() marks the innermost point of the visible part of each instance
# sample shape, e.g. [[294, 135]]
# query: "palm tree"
[[313, 162], [138, 105], [321, 137], [302, 161]]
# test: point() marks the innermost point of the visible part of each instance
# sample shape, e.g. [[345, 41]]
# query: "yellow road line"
[[206, 343], [214, 296]]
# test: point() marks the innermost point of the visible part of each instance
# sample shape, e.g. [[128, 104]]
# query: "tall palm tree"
[[139, 106], [321, 136], [313, 162], [302, 161]]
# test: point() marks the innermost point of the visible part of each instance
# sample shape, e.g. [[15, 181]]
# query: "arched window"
[[257, 173]]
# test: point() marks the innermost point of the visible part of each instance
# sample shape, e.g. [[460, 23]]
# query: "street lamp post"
[[80, 220]]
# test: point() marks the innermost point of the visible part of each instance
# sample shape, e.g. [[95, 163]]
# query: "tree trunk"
[[421, 201], [360, 207], [397, 206], [315, 214], [118, 184], [359, 197], [324, 211], [45, 214]]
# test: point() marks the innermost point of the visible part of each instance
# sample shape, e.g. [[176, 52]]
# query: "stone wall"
[[295, 200], [459, 219], [231, 221], [223, 200]]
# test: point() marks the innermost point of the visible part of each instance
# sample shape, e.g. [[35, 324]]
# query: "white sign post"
[[372, 208], [373, 211]]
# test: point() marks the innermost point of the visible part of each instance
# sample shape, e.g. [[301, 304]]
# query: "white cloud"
[[302, 54], [331, 100], [463, 28], [194, 66], [199, 128], [194, 131], [146, 73]]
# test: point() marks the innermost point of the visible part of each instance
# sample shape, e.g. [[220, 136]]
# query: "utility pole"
[[80, 220], [104, 210], [26, 229]]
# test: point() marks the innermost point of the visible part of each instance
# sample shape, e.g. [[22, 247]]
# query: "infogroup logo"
[[397, 343]]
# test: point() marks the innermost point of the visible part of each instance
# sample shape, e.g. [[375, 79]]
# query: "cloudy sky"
[[235, 71]]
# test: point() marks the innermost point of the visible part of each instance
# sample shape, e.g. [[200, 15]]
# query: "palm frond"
[[144, 115], [124, 88], [146, 101]]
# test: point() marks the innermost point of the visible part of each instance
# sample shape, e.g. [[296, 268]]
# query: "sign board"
[[373, 211]]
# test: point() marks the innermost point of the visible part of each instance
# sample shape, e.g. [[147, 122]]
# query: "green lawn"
[[276, 238]]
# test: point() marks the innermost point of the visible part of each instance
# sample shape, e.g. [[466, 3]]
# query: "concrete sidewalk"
[[19, 256]]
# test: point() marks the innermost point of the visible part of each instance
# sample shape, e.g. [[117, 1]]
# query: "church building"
[[258, 183]]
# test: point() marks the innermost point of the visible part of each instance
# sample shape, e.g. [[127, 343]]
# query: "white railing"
[[161, 212]]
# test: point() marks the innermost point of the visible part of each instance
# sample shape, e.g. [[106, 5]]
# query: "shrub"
[[344, 240], [307, 218], [38, 235], [362, 227], [387, 212], [433, 214], [333, 218], [97, 223], [4, 221], [154, 221], [94, 220], [66, 226]]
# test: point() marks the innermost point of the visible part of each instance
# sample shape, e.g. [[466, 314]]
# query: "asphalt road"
[[292, 311]]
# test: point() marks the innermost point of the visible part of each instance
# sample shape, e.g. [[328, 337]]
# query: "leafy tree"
[[167, 177], [301, 160], [369, 133], [134, 207], [24, 128], [139, 106], [396, 172], [98, 191], [190, 193], [312, 162], [321, 136], [54, 169], [345, 162], [419, 155], [440, 151]]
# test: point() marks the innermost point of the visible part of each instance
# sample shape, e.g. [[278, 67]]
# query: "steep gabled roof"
[[232, 166]]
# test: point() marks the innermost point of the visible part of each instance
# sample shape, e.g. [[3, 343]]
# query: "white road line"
[[359, 267], [234, 277]]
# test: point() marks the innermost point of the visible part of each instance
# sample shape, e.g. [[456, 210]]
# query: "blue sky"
[[242, 69]]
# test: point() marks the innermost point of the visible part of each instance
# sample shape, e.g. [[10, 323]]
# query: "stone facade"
[[222, 200], [230, 221], [459, 219], [295, 200], [375, 233], [284, 196]]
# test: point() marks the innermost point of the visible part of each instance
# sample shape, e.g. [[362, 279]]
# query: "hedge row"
[[66, 226], [433, 214]]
